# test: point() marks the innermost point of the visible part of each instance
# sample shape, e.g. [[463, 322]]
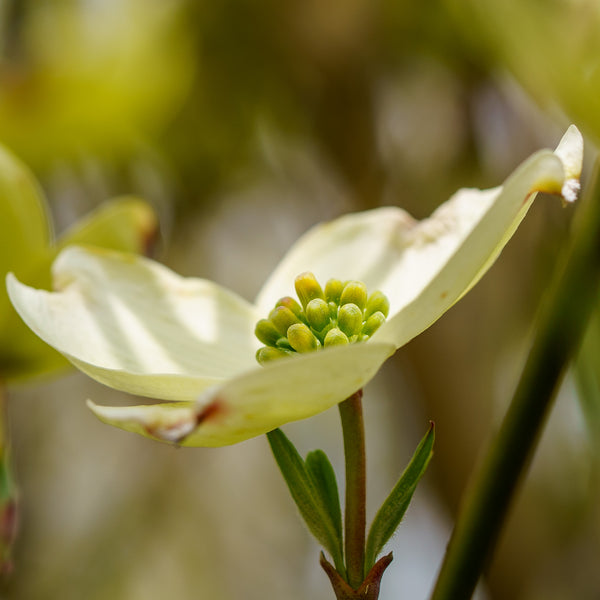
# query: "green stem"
[[562, 320], [356, 496]]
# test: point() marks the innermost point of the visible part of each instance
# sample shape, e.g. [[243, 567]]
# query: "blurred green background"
[[244, 123]]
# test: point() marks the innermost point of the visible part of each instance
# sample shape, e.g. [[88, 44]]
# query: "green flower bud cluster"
[[341, 314]]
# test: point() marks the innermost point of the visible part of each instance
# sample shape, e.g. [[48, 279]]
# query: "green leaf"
[[323, 477], [307, 496], [392, 510]]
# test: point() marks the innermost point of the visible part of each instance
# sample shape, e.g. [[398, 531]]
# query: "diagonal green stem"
[[561, 325], [351, 415]]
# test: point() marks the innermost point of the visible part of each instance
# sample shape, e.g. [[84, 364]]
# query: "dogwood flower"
[[136, 326]]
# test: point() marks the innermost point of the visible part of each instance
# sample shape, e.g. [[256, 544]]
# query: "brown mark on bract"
[[176, 433], [211, 411]]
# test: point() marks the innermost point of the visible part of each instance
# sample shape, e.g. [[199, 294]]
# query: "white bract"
[[136, 326]]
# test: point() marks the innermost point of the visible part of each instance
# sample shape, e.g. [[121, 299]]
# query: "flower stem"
[[356, 496], [561, 325]]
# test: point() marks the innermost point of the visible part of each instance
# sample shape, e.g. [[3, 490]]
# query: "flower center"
[[342, 314]]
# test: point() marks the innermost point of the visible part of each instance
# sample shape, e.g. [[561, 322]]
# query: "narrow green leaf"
[[307, 497], [392, 510], [323, 477]]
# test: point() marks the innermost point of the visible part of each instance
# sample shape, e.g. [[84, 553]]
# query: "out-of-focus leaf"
[[127, 224], [25, 229]]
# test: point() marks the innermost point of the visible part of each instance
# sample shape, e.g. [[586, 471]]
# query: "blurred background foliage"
[[244, 123]]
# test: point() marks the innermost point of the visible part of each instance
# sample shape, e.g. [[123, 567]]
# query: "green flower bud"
[[290, 303], [333, 309], [283, 343], [302, 339], [355, 292], [308, 288], [350, 319], [266, 332], [282, 318], [333, 290], [377, 302], [373, 323], [317, 314], [335, 337], [267, 354], [343, 314]]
